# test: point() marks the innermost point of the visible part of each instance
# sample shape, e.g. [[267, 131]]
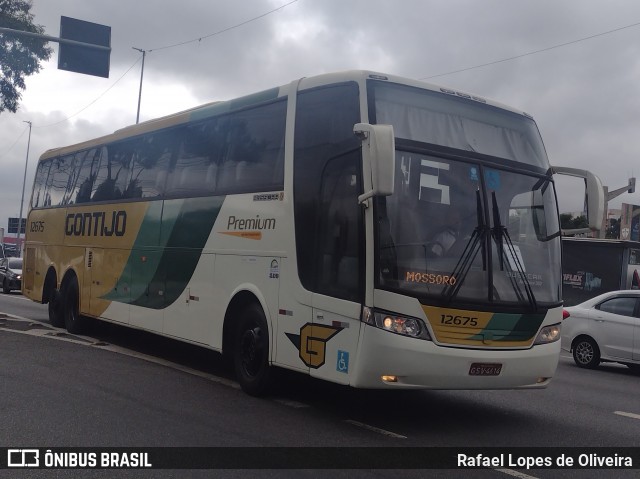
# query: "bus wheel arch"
[[246, 343], [51, 296]]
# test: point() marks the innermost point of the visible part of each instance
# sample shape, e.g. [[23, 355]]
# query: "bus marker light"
[[389, 379]]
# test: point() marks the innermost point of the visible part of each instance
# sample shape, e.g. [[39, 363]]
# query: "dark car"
[[11, 274]]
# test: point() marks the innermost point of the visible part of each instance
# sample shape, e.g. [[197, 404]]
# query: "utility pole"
[[24, 181], [144, 54], [608, 196]]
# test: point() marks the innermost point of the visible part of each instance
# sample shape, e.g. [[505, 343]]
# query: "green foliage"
[[568, 222], [20, 56], [565, 220], [613, 230]]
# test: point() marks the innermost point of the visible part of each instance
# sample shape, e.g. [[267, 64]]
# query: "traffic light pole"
[[47, 38]]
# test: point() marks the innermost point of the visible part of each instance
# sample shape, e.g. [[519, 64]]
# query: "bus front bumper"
[[420, 364]]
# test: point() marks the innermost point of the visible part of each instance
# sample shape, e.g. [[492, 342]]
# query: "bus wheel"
[[71, 311], [56, 317], [251, 351]]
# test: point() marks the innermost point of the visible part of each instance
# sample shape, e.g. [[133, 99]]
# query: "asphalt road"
[[115, 387]]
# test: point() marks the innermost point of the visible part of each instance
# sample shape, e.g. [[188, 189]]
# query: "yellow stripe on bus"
[[470, 328]]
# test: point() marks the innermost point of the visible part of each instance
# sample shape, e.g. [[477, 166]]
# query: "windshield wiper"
[[477, 242], [501, 236]]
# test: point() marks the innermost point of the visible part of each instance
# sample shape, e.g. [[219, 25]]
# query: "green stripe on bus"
[[227, 106], [170, 242], [511, 327], [143, 258], [192, 225]]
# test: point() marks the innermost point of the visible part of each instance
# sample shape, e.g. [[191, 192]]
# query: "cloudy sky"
[[572, 64]]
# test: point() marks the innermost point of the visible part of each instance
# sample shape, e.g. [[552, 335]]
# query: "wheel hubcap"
[[584, 353], [251, 351]]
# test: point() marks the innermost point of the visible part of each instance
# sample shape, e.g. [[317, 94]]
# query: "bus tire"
[[251, 351], [70, 306], [56, 317]]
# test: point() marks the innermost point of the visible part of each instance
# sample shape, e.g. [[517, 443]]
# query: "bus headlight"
[[407, 326], [548, 334]]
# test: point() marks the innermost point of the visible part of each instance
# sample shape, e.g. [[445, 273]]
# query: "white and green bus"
[[361, 228]]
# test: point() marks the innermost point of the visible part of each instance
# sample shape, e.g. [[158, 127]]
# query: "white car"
[[604, 328]]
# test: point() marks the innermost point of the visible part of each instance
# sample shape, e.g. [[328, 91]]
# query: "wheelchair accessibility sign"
[[342, 365]]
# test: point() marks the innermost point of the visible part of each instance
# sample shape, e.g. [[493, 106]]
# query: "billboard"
[[590, 268], [13, 226], [630, 222]]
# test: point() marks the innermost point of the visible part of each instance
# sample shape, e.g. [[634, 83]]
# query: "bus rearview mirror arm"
[[378, 158]]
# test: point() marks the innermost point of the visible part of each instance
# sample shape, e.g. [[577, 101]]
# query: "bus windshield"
[[466, 231], [465, 124]]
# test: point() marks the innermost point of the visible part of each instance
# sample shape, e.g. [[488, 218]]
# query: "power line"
[[164, 48], [13, 144], [531, 53], [95, 100], [224, 30]]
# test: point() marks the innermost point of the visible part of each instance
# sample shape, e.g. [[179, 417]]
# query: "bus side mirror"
[[594, 196], [595, 201], [378, 158]]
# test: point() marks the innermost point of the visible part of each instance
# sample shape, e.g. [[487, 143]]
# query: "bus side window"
[[84, 192], [253, 160], [79, 190], [113, 173], [195, 171], [58, 180], [39, 184], [150, 163]]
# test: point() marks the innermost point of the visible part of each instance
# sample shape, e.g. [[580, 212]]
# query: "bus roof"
[[219, 107]]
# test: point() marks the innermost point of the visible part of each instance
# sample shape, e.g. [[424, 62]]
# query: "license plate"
[[485, 369]]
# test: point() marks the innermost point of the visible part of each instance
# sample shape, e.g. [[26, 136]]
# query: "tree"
[[569, 222], [20, 56], [580, 222], [613, 231], [565, 220]]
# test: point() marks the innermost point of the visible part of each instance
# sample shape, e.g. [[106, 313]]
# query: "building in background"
[[630, 222]]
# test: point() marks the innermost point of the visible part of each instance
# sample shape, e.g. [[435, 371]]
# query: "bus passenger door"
[[339, 281]]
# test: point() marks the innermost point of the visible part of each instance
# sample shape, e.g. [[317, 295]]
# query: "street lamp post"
[[24, 182], [144, 54]]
